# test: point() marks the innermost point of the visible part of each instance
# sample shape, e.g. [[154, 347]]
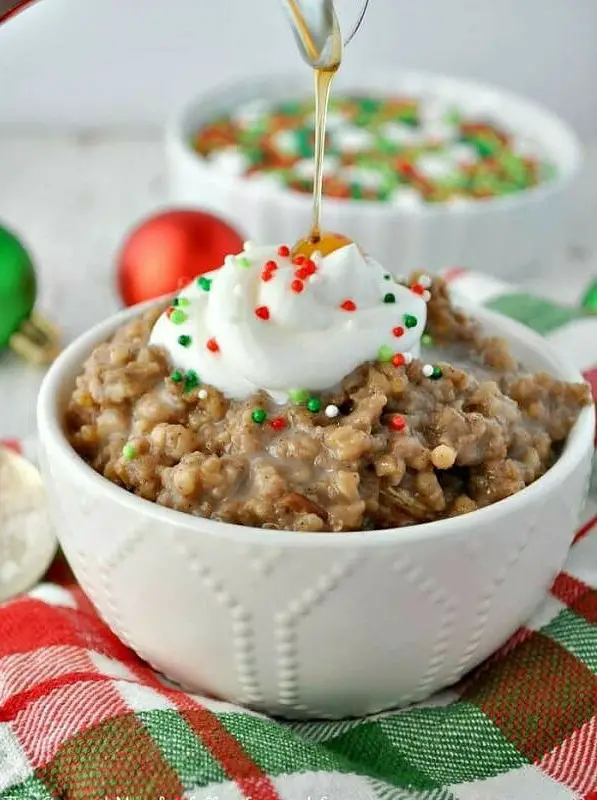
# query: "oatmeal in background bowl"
[[422, 449], [316, 394]]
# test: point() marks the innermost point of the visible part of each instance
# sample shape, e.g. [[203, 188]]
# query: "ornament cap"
[[37, 340]]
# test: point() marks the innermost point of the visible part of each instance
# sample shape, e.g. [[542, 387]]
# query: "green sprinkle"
[[184, 301], [436, 374], [387, 277], [204, 283], [259, 416], [176, 301], [178, 317], [389, 298], [427, 340], [385, 353], [314, 405], [176, 376], [410, 321], [191, 380], [184, 340], [129, 452], [298, 395], [243, 262], [356, 191]]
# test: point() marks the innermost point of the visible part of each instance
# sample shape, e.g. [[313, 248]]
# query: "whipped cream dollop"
[[266, 321]]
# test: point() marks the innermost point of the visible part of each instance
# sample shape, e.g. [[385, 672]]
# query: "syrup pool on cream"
[[268, 321]]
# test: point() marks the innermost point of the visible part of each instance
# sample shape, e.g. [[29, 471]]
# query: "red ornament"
[[166, 251]]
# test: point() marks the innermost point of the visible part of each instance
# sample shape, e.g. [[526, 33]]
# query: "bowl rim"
[[53, 440], [183, 120]]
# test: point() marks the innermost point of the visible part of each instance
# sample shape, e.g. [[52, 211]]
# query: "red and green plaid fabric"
[[81, 716]]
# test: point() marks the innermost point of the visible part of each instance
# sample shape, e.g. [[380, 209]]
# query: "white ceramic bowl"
[[301, 625], [498, 236]]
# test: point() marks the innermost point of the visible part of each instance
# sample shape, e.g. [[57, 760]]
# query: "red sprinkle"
[[266, 275], [397, 422], [278, 423], [212, 346], [299, 260], [311, 266], [398, 331], [169, 311], [297, 286], [348, 305], [417, 288], [398, 360], [303, 273], [284, 251], [262, 312], [270, 265]]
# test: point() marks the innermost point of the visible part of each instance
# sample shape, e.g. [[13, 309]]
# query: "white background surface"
[[108, 62]]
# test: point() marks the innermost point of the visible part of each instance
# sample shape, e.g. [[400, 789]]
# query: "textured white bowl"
[[311, 624], [498, 236]]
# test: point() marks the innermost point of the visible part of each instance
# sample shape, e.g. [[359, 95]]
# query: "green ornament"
[[589, 300], [18, 286]]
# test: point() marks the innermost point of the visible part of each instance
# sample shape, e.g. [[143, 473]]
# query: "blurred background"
[[112, 62]]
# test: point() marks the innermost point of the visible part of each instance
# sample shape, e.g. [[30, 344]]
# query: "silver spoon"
[[317, 30]]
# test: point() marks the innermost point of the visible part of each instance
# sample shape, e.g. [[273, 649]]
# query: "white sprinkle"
[[237, 290], [408, 358], [401, 279], [426, 296], [202, 394], [399, 133], [366, 178], [462, 154], [229, 260], [251, 113], [407, 198], [332, 411], [425, 281], [230, 161], [434, 166], [248, 247], [305, 169], [352, 139], [286, 142], [427, 370]]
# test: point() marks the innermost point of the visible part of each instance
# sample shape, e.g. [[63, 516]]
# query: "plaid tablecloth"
[[82, 717]]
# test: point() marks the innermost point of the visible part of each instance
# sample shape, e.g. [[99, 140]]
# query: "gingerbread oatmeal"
[[398, 441]]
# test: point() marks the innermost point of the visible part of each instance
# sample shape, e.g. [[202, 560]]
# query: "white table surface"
[[72, 197]]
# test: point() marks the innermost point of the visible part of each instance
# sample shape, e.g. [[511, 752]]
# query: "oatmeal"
[[399, 440]]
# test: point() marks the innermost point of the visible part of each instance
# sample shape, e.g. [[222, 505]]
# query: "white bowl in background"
[[498, 236], [311, 624]]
